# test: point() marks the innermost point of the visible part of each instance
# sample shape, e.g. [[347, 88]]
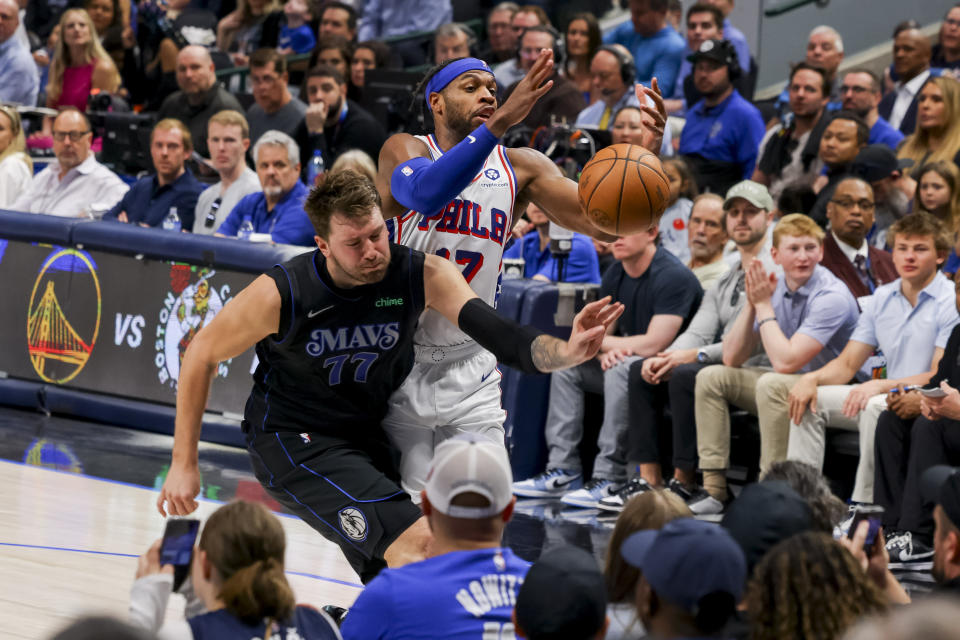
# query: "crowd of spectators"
[[801, 274]]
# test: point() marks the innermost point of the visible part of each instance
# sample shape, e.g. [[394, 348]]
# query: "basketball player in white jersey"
[[455, 193]]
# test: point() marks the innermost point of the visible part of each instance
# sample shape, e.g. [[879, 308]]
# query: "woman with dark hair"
[[809, 586], [582, 41], [237, 574], [239, 33], [371, 54]]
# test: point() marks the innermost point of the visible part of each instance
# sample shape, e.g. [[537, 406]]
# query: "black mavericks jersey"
[[339, 353]]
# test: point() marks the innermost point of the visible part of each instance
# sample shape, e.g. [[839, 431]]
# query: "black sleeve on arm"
[[508, 341]]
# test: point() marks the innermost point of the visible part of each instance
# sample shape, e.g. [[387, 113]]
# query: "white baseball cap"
[[469, 464]]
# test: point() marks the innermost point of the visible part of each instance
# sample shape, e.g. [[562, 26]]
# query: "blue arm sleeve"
[[426, 186]]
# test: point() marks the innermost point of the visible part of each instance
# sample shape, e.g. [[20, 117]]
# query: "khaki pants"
[[761, 392], [808, 439]]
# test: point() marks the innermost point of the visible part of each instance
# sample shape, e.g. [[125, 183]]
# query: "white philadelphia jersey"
[[470, 231]]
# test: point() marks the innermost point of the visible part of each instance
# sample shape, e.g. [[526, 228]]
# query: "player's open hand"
[[654, 118], [589, 327], [531, 88], [179, 490]]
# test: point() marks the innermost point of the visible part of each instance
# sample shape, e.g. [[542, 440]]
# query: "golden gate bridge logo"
[[58, 352]]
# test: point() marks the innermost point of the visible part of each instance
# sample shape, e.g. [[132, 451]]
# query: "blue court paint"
[[133, 555]]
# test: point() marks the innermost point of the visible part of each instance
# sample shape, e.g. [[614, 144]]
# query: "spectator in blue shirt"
[[278, 209], [703, 23], [296, 36], [19, 80], [723, 131], [824, 51], [861, 94], [801, 320], [469, 584], [581, 265], [172, 186], [657, 49], [731, 34], [909, 320]]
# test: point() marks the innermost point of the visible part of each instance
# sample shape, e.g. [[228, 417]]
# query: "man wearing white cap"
[[469, 584]]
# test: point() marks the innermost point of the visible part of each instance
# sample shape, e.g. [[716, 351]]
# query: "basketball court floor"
[[78, 506]]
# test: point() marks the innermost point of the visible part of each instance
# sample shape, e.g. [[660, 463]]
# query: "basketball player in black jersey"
[[333, 331]]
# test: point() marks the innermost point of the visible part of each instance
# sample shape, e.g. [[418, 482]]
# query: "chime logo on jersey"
[[353, 523], [364, 336]]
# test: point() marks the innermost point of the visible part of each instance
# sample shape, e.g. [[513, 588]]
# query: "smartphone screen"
[[873, 515], [178, 540]]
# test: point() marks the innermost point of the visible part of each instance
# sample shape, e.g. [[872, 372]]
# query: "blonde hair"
[[169, 124], [18, 145], [917, 146], [358, 161], [797, 225], [231, 118], [93, 52], [649, 510]]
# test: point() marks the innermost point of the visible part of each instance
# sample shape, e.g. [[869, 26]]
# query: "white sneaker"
[[591, 494], [703, 504], [552, 483]]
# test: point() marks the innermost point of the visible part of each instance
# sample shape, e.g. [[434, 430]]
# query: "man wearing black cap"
[[763, 515], [892, 189], [941, 486], [692, 577], [563, 597], [723, 131]]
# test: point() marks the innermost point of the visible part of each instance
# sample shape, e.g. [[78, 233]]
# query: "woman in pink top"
[[79, 65]]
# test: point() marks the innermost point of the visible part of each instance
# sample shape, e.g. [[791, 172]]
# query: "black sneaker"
[[337, 614], [680, 489], [907, 552], [617, 501]]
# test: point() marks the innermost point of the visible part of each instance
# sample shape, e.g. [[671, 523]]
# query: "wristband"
[[770, 319]]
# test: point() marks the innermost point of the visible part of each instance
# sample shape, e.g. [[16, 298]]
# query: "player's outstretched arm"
[[251, 316], [546, 186], [408, 179], [524, 348]]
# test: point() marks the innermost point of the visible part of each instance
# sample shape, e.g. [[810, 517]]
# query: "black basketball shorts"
[[348, 490]]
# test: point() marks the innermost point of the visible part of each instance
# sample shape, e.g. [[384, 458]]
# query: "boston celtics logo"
[[188, 307]]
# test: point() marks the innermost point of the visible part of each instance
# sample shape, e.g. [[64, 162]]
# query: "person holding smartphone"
[[907, 444], [236, 570], [909, 320]]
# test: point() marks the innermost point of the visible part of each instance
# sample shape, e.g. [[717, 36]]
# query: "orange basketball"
[[623, 189]]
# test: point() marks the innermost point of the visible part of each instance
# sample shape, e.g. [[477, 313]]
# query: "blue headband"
[[445, 76]]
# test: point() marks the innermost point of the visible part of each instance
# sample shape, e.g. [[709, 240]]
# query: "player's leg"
[[410, 423], [347, 491]]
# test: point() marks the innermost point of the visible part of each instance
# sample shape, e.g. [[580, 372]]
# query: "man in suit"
[[911, 62], [846, 251]]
